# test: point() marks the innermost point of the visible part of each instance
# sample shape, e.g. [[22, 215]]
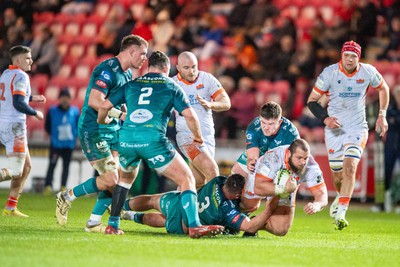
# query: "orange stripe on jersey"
[[12, 88], [286, 159], [379, 87], [347, 74], [12, 67], [259, 175], [185, 81], [217, 93], [319, 91], [315, 187]]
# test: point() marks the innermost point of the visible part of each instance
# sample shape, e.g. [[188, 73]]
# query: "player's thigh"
[[93, 145], [13, 137]]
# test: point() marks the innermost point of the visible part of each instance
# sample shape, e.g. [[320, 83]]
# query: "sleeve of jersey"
[[234, 219], [321, 85], [315, 180], [19, 85], [251, 136], [102, 82], [181, 101], [118, 97], [377, 79], [215, 87]]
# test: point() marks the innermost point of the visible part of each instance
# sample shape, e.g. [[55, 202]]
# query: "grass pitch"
[[370, 240]]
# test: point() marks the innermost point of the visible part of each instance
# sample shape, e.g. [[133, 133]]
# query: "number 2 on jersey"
[[2, 90], [147, 91]]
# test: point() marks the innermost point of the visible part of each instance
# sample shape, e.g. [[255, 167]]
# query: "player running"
[[346, 131], [15, 95]]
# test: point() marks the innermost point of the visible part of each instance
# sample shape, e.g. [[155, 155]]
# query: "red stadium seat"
[[44, 17], [264, 86], [72, 28], [283, 88], [39, 83], [90, 29], [102, 9]]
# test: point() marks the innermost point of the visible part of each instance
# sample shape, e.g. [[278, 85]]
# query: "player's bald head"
[[186, 57]]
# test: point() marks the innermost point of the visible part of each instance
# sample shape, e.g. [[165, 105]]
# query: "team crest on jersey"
[[319, 83], [331, 151], [360, 81], [141, 115], [200, 86], [101, 84]]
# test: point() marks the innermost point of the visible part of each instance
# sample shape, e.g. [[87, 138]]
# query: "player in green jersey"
[[99, 143], [150, 100], [217, 201]]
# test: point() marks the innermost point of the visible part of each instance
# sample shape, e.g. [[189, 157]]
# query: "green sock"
[[86, 188], [126, 205], [189, 204], [103, 201], [138, 217]]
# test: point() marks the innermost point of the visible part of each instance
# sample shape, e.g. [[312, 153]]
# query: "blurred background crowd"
[[259, 49]]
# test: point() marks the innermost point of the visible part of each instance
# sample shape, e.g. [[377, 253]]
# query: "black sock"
[[118, 199]]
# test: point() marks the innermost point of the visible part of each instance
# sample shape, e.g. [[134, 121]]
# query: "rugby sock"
[[189, 204], [343, 205], [118, 199], [85, 188], [102, 203], [138, 217], [126, 205], [11, 203]]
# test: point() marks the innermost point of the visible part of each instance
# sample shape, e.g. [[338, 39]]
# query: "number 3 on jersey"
[[147, 91], [2, 90], [204, 205]]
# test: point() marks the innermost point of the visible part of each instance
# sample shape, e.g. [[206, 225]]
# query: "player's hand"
[[39, 115], [39, 98], [332, 122], [312, 208], [123, 116], [251, 165], [199, 140], [204, 103], [381, 126], [291, 185]]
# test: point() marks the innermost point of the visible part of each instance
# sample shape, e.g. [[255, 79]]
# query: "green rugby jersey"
[[150, 100], [215, 208], [107, 77]]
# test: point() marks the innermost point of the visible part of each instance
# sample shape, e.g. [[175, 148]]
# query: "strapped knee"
[[353, 152]]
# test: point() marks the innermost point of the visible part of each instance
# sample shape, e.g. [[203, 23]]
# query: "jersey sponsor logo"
[[319, 83], [20, 85], [277, 142], [331, 151], [101, 84], [105, 75], [200, 86], [232, 212], [349, 95], [193, 100], [249, 136], [339, 81], [141, 115], [236, 218], [379, 77], [360, 81]]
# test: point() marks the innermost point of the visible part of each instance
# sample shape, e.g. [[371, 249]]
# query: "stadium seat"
[[76, 50], [72, 28], [283, 88], [327, 13], [65, 70], [102, 9], [264, 86], [43, 17], [89, 29], [39, 83]]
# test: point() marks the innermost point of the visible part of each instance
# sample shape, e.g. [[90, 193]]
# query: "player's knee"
[[281, 230]]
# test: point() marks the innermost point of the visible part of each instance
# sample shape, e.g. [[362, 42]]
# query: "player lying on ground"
[[278, 173], [217, 202]]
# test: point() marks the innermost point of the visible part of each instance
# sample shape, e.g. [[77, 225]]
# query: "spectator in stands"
[[230, 65], [267, 52], [62, 127], [45, 55], [243, 102], [162, 31], [284, 25], [285, 54], [183, 39], [238, 15], [365, 23], [392, 51], [245, 50], [303, 62], [144, 24], [258, 12], [106, 41], [74, 7]]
